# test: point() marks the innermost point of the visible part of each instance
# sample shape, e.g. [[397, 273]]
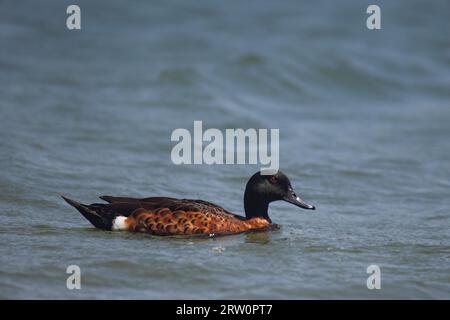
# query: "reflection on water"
[[259, 238]]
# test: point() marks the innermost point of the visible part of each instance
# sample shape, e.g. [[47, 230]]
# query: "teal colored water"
[[364, 135]]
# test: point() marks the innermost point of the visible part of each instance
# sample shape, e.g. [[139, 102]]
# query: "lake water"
[[364, 119]]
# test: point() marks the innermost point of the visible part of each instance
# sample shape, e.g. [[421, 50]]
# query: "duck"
[[165, 216]]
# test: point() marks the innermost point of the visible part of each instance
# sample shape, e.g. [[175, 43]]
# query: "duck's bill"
[[299, 202]]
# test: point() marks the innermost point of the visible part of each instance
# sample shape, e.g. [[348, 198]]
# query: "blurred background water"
[[364, 120]]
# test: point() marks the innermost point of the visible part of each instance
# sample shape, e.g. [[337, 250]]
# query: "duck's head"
[[261, 190]]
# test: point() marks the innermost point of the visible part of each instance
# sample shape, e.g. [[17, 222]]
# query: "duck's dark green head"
[[264, 189]]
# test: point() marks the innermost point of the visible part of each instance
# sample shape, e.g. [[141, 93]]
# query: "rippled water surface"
[[364, 120]]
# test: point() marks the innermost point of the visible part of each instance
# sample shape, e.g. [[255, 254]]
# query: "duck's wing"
[[173, 204], [112, 199]]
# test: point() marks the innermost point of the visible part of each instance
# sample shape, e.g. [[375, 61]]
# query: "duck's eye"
[[273, 179]]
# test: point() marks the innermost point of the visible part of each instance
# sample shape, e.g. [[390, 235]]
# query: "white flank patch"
[[119, 223]]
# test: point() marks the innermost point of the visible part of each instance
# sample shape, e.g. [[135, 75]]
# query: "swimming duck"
[[169, 216]]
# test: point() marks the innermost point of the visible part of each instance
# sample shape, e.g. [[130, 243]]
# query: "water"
[[364, 132]]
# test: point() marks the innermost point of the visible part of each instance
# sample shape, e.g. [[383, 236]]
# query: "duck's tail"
[[96, 218]]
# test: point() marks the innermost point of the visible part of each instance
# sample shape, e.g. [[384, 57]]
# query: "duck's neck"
[[255, 206]]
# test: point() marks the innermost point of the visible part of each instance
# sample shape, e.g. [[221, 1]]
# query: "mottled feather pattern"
[[163, 221]]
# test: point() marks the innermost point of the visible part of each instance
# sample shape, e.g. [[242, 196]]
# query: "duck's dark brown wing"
[[112, 199], [173, 204]]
